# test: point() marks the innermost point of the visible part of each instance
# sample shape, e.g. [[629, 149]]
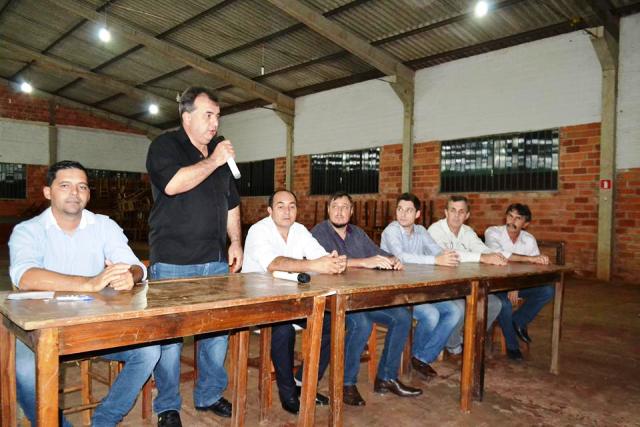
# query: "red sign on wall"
[[605, 184]]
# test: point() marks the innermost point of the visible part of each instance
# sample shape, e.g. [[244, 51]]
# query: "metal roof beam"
[[198, 62], [343, 37], [69, 68]]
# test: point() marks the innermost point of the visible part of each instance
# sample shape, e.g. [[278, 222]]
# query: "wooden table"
[[360, 289], [516, 276], [163, 310]]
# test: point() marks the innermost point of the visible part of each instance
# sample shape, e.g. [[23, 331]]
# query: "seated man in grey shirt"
[[412, 244], [336, 234]]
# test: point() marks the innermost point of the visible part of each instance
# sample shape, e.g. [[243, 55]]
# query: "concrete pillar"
[[405, 89]]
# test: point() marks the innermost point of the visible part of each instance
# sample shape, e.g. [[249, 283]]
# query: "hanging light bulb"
[[153, 109], [26, 87], [262, 66], [104, 35], [481, 9]]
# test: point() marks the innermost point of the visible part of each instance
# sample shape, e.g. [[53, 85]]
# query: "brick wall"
[[21, 106], [569, 214], [626, 261]]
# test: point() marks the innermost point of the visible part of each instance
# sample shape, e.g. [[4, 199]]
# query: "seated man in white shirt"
[[412, 244], [520, 246], [278, 243], [452, 233]]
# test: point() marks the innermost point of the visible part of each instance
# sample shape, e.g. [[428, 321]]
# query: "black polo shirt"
[[191, 227]]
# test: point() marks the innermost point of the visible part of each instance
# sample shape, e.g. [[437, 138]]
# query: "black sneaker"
[[221, 408], [169, 419]]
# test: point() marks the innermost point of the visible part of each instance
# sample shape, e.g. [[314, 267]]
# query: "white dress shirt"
[[467, 243], [497, 238], [264, 244]]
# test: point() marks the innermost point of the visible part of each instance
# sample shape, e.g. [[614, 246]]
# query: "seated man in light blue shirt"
[[67, 248], [412, 244]]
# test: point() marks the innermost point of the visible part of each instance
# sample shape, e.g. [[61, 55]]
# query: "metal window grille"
[[257, 178], [356, 172], [94, 174], [526, 161], [13, 181]]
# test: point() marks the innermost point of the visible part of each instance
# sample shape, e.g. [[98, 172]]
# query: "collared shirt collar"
[[50, 220]]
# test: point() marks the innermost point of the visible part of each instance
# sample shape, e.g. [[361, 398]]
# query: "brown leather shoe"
[[395, 387], [424, 368], [351, 396]]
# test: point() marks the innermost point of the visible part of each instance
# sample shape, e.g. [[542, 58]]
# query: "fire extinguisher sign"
[[605, 184]]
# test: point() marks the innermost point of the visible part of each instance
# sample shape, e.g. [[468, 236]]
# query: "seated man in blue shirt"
[[67, 248], [336, 234], [411, 243]]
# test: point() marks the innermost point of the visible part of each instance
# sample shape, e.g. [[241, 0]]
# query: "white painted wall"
[[628, 128], [24, 142], [257, 134], [367, 114], [102, 149], [538, 85]]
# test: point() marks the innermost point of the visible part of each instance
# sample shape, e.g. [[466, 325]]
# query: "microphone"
[[294, 277], [230, 161]]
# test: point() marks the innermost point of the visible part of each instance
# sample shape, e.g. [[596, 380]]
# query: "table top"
[[155, 299], [361, 280], [205, 293]]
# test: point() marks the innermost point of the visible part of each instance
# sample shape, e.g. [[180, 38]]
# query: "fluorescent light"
[[26, 87], [104, 35], [481, 9], [153, 109]]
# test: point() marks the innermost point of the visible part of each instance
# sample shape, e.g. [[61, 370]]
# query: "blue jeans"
[[534, 300], [493, 309], [359, 324], [212, 350], [138, 365], [436, 322]]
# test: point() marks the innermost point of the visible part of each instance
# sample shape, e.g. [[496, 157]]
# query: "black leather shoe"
[[522, 333], [291, 405], [221, 408], [169, 419], [514, 355], [395, 387], [424, 368], [351, 396], [321, 399]]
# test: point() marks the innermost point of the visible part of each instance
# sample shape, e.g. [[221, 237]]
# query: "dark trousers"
[[283, 337], [534, 300]]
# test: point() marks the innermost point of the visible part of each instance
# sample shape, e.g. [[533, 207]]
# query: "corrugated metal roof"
[[245, 35]]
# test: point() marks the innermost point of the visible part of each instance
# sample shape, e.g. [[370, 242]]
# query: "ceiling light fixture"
[[153, 109], [104, 34], [26, 87], [481, 9], [262, 66]]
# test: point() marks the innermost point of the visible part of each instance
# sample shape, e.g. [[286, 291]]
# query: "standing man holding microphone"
[[196, 205]]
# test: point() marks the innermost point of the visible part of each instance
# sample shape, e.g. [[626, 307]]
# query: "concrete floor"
[[599, 382]]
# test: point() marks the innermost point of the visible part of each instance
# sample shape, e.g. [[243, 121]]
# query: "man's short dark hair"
[[410, 197], [64, 164], [339, 195], [188, 97], [456, 198], [270, 201], [523, 210]]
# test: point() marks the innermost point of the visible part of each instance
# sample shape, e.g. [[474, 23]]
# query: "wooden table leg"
[[311, 361], [241, 344], [7, 376], [336, 381], [557, 322], [47, 365], [233, 359], [264, 373], [481, 332], [469, 351]]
